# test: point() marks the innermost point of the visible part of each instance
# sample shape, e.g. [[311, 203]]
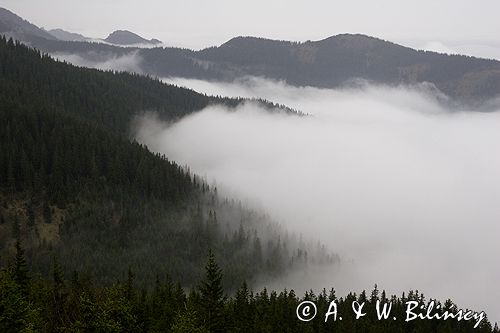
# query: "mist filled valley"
[[267, 183], [404, 188]]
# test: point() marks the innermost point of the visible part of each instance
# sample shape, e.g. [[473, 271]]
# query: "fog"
[[405, 190], [130, 62]]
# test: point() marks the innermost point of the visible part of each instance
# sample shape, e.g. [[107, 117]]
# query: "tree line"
[[77, 304]]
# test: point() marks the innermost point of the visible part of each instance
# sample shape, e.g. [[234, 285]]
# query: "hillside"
[[335, 60], [73, 185]]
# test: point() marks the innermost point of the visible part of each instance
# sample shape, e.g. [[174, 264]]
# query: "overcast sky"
[[446, 25]]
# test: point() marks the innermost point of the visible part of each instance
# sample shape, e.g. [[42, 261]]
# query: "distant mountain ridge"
[[14, 26], [335, 60], [125, 37], [328, 63], [68, 36]]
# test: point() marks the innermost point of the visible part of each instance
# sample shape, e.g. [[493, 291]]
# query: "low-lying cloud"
[[400, 186], [130, 62]]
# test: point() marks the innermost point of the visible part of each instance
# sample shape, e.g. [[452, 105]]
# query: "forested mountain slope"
[[335, 60], [74, 187]]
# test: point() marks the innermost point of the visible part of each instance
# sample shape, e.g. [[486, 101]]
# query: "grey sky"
[[454, 25]]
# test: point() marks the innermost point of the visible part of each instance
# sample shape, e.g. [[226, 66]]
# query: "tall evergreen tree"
[[212, 296]]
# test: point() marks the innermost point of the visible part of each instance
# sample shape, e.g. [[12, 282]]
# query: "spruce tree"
[[212, 296]]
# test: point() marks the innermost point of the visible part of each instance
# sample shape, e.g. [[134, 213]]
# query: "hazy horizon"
[[431, 26]]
